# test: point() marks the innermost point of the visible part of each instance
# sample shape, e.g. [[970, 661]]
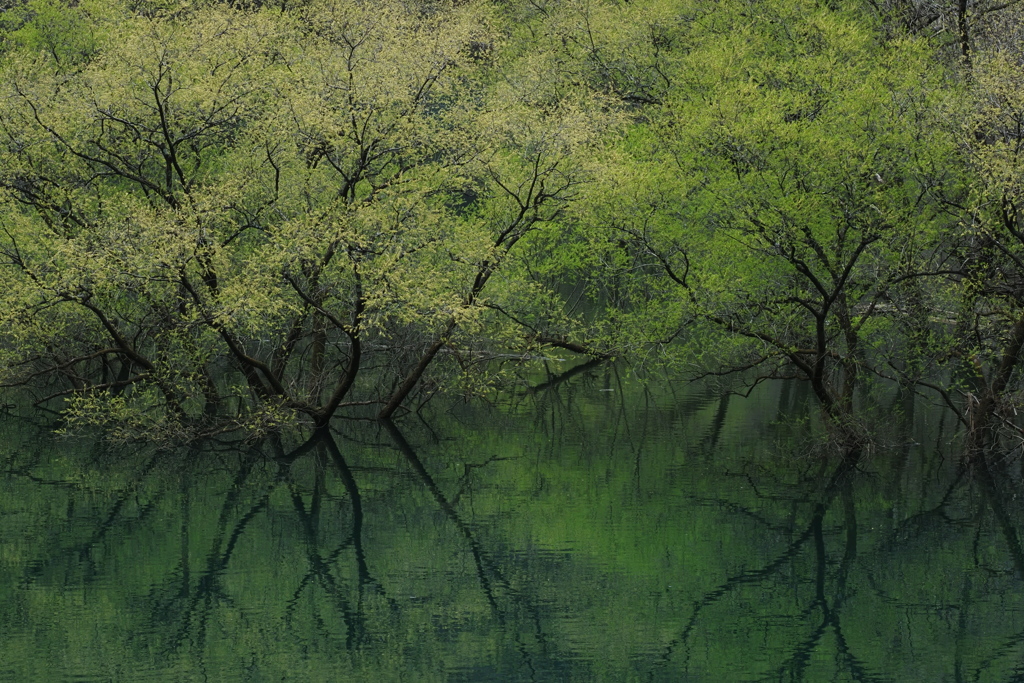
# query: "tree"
[[120, 198], [216, 217], [786, 219], [986, 272]]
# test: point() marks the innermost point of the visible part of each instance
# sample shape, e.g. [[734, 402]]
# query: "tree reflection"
[[632, 538]]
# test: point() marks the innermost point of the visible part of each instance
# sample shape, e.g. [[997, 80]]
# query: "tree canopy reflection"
[[584, 535]]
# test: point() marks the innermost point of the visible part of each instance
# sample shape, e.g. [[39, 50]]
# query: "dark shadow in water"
[[830, 578], [794, 666], [484, 568], [492, 583], [982, 471], [329, 570], [356, 539], [321, 564], [190, 606], [718, 421], [113, 522], [982, 466], [554, 380]]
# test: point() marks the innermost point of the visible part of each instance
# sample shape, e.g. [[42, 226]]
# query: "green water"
[[592, 532]]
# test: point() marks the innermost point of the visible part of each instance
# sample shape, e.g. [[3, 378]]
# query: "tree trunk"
[[407, 385]]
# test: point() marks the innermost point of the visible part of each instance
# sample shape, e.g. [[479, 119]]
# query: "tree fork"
[[413, 377]]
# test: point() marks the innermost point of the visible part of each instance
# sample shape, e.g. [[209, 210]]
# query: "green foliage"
[[774, 206], [226, 214], [67, 34]]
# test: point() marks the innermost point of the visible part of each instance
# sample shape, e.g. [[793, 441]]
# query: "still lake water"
[[594, 532]]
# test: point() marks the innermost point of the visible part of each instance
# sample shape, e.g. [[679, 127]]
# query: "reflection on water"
[[594, 532]]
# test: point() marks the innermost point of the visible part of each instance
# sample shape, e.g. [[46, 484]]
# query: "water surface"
[[594, 531]]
